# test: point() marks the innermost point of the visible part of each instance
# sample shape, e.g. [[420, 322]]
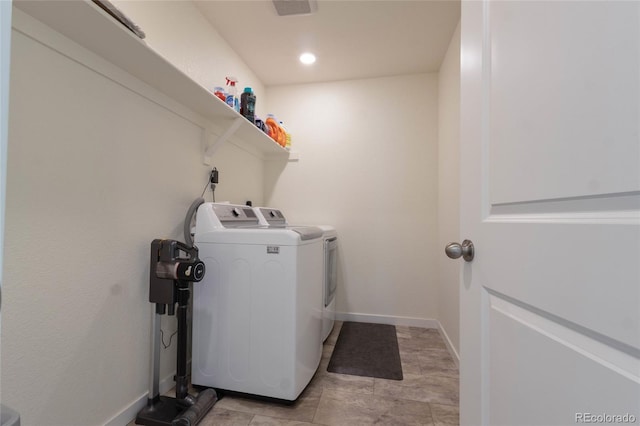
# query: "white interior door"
[[550, 197]]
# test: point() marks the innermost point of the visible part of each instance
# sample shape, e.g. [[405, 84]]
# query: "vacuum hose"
[[194, 414], [193, 208]]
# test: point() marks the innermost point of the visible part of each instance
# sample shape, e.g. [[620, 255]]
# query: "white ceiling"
[[352, 39]]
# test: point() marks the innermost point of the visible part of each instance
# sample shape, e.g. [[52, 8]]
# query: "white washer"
[[275, 218], [257, 322]]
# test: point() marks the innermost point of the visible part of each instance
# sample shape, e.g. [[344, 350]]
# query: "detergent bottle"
[[274, 128], [219, 92], [282, 137], [248, 104], [287, 136]]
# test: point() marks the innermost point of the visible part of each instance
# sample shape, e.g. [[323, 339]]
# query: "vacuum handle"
[[191, 250]]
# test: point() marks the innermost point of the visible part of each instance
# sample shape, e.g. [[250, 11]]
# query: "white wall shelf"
[[91, 27]]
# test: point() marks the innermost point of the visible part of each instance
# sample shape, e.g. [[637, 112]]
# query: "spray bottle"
[[232, 93]]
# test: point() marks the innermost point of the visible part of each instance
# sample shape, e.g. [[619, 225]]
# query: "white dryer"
[[275, 218], [329, 278], [257, 322]]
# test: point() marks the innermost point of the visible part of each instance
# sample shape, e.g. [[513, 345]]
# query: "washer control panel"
[[231, 215], [273, 216]]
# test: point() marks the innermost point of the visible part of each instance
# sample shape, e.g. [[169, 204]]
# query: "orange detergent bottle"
[[275, 131]]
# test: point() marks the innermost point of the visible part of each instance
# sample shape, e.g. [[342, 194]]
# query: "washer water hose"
[[193, 208]]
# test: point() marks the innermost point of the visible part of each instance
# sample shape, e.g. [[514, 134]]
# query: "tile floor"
[[428, 395]]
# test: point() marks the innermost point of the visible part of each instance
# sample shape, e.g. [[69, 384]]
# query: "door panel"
[[564, 103], [550, 196], [533, 352], [582, 273]]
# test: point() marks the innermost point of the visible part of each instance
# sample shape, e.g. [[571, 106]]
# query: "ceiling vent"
[[295, 7]]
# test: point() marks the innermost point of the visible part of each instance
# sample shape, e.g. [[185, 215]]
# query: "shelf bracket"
[[210, 148]]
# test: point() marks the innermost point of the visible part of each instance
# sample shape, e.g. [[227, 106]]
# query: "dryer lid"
[[307, 232]]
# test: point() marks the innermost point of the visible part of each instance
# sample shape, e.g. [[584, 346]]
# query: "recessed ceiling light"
[[307, 58]]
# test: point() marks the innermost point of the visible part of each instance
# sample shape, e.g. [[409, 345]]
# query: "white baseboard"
[[129, 413], [452, 350], [405, 321]]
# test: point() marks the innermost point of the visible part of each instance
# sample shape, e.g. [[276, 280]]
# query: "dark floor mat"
[[369, 350]]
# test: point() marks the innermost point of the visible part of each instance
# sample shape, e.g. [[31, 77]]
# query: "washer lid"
[[307, 232], [255, 236]]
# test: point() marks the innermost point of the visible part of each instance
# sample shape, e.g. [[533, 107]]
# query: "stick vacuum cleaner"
[[169, 285]]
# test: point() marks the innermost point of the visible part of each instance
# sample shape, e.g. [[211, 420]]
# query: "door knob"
[[455, 250]]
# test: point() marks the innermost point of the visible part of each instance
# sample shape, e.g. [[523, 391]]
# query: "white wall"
[[5, 45], [448, 188], [179, 32], [96, 171], [369, 167]]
